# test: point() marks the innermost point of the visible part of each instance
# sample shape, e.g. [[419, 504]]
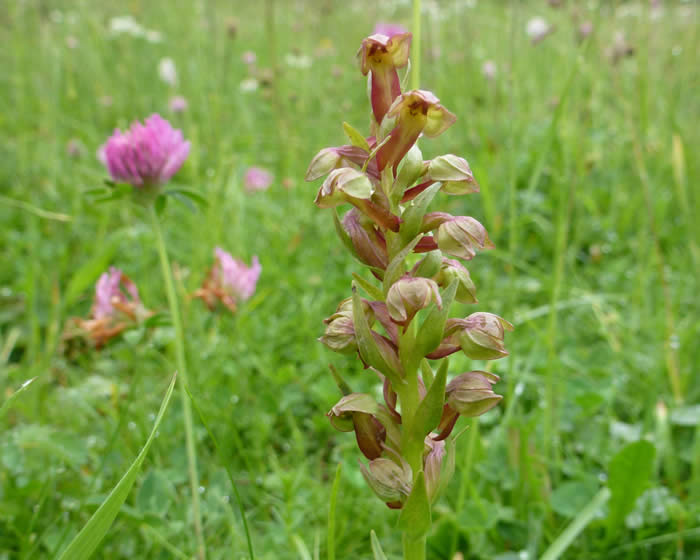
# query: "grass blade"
[[331, 514], [568, 536], [87, 540], [6, 405], [376, 546]]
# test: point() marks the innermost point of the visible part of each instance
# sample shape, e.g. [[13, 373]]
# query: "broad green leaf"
[[376, 547], [355, 136], [90, 536], [6, 405], [429, 410], [87, 274], [396, 266], [628, 474], [415, 518], [479, 516], [412, 217], [570, 497]]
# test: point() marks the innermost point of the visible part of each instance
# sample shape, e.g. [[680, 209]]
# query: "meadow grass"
[[588, 189]]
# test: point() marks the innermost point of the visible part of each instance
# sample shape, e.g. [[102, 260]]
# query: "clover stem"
[[181, 364]]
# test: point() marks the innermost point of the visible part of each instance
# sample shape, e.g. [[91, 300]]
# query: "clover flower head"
[[109, 295], [177, 104], [147, 154], [236, 276], [389, 29], [257, 179]]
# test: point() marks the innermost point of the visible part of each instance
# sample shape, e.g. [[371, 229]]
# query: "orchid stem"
[[415, 60], [413, 549], [184, 380]]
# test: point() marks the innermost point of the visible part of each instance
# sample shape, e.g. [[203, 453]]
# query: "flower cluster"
[[403, 323], [229, 281], [116, 307], [146, 155]]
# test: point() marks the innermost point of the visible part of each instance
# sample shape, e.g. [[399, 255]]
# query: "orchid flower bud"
[[382, 55], [460, 235], [438, 467], [470, 394], [453, 270], [410, 168], [329, 159], [454, 174], [343, 185], [368, 242], [356, 412], [340, 330], [415, 111], [391, 482], [408, 295], [480, 335]]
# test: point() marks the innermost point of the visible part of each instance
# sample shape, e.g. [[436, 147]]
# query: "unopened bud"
[[408, 295], [438, 468], [341, 414], [481, 335], [453, 270], [323, 163], [340, 329], [336, 157], [461, 235], [470, 394], [369, 245], [389, 481], [410, 168], [341, 186], [454, 173]]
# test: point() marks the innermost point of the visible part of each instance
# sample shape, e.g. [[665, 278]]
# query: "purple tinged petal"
[[389, 29], [238, 278], [149, 153]]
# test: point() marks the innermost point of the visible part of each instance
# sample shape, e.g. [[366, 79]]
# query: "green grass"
[[589, 191]]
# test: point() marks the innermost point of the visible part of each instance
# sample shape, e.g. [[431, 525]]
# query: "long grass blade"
[[568, 536], [90, 536]]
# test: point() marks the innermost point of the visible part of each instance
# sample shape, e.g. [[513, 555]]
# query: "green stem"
[[415, 59], [413, 549], [184, 380], [411, 443]]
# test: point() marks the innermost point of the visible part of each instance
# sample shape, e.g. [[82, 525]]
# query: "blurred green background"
[[584, 150]]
